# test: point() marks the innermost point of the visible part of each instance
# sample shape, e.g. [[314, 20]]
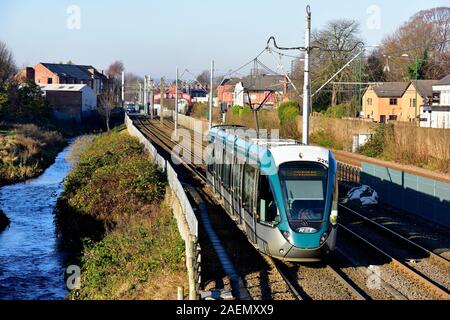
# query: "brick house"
[[70, 101], [25, 74], [258, 88], [53, 73], [396, 101], [225, 92]]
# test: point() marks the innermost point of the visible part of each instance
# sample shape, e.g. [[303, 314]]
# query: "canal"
[[31, 262]]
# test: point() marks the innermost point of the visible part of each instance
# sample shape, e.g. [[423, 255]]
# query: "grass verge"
[[113, 214]]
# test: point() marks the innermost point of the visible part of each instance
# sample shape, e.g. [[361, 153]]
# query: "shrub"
[[124, 264], [236, 109], [288, 111], [375, 146], [114, 179], [338, 111], [244, 111]]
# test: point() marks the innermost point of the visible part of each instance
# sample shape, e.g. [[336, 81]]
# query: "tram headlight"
[[334, 218]]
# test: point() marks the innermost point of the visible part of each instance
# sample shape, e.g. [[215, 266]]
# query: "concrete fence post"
[[180, 293]]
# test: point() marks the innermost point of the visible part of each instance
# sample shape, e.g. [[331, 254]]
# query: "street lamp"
[[416, 76]]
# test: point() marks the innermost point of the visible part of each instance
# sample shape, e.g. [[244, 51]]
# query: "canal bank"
[[32, 264]]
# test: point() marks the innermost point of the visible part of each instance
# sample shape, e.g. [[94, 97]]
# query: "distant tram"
[[282, 194]]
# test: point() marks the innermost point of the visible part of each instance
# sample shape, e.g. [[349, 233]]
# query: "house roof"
[[444, 81], [97, 74], [390, 89], [263, 82], [69, 70], [425, 87], [63, 87], [230, 81]]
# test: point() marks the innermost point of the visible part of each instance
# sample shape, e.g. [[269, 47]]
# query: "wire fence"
[[184, 213]]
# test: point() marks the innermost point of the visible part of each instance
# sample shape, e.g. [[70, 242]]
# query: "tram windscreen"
[[304, 188]]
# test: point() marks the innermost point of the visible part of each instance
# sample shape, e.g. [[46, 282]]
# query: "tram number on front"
[[325, 162]]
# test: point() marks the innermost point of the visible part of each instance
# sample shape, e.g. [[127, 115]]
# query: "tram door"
[[237, 190], [248, 200]]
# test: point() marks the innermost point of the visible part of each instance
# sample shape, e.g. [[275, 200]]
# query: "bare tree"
[[7, 64], [424, 36], [337, 44], [108, 100], [204, 77], [115, 69]]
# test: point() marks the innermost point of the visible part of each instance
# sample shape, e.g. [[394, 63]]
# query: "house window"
[[49, 80], [412, 103], [369, 101], [393, 101], [392, 118]]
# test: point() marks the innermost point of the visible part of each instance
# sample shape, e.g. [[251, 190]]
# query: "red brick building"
[[225, 92], [25, 74], [53, 73]]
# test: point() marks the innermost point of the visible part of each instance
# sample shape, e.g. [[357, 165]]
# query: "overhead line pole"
[[211, 95], [145, 95], [306, 85], [161, 100], [152, 100], [176, 104], [123, 89]]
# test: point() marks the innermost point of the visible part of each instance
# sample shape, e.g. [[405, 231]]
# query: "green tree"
[[419, 69], [288, 111]]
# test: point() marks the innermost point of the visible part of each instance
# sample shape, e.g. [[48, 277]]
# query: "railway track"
[[161, 134], [400, 238], [427, 264], [294, 288], [418, 277]]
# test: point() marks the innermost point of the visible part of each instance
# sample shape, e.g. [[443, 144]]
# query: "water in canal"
[[31, 264]]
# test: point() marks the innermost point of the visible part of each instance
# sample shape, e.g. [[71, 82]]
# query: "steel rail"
[[399, 237], [430, 284]]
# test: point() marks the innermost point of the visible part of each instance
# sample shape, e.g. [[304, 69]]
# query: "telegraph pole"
[[176, 103], [123, 89], [306, 85], [152, 101], [211, 92], [145, 95], [161, 100], [140, 92], [415, 84]]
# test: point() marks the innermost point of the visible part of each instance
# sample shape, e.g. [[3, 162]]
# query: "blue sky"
[[152, 37]]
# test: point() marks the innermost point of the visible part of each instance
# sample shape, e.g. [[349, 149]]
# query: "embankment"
[[26, 151], [114, 214]]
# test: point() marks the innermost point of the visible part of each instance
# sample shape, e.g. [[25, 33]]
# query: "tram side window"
[[267, 207], [249, 188], [211, 163], [236, 170], [226, 169]]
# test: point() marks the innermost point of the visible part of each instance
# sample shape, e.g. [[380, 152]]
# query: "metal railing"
[[184, 213], [348, 175]]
